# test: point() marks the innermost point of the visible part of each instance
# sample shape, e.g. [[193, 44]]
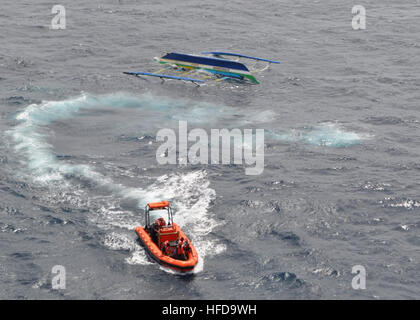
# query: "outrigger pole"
[[219, 53], [164, 76]]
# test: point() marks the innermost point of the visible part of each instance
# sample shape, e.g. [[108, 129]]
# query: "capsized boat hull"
[[218, 66], [156, 253]]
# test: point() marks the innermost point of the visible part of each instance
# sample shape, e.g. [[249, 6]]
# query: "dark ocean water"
[[78, 151]]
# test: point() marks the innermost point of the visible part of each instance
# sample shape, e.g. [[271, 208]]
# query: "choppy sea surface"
[[78, 148]]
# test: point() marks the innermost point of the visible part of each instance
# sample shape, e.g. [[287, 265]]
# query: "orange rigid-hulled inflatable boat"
[[165, 241]]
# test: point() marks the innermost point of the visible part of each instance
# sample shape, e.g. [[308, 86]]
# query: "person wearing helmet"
[[187, 249], [180, 249], [165, 247]]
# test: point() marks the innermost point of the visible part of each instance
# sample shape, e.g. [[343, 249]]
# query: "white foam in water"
[[118, 241], [138, 257], [326, 134], [191, 209], [191, 197], [189, 192]]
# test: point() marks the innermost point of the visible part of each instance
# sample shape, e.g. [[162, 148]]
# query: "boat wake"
[[190, 192]]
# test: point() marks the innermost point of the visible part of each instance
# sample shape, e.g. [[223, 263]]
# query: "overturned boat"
[[164, 240], [200, 69]]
